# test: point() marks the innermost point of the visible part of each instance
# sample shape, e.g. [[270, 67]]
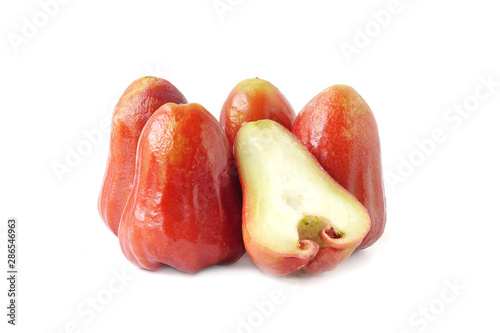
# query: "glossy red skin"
[[141, 99], [339, 129], [251, 100], [184, 209]]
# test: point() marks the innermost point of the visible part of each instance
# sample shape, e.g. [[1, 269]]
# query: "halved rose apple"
[[296, 218]]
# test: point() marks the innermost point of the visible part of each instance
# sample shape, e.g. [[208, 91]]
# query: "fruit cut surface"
[[289, 200]]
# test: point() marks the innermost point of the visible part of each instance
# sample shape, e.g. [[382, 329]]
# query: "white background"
[[443, 223]]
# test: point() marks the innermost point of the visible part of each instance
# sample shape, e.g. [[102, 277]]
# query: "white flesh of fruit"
[[288, 193]]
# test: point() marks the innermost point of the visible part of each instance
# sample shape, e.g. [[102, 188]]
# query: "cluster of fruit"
[[298, 194]]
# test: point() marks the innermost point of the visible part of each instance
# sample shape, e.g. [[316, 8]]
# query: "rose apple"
[[184, 209], [339, 129], [296, 218], [141, 99], [251, 100]]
